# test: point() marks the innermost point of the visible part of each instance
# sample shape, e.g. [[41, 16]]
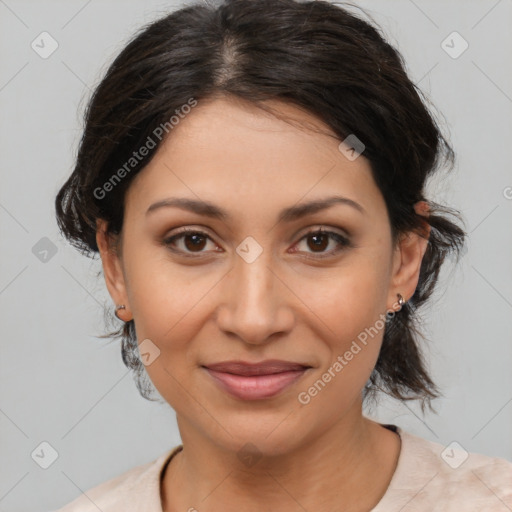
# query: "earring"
[[401, 300], [121, 306]]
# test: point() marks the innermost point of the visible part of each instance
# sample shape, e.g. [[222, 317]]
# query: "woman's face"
[[258, 283]]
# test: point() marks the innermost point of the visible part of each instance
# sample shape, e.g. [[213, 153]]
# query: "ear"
[[407, 259], [112, 269]]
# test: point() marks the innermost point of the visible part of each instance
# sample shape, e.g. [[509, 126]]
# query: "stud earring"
[[121, 306]]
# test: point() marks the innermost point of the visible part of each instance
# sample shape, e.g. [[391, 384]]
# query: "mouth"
[[250, 381]]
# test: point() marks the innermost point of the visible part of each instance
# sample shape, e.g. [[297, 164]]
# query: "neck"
[[350, 465]]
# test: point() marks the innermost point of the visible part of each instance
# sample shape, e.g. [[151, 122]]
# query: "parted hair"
[[320, 56]]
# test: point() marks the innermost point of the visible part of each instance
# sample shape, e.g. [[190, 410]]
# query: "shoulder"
[[448, 477], [132, 490]]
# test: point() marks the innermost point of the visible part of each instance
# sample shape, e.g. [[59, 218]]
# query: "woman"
[[253, 177]]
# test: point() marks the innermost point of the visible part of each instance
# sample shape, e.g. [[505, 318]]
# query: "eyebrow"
[[289, 214]]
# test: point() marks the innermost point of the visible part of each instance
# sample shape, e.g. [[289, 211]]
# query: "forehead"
[[233, 153]]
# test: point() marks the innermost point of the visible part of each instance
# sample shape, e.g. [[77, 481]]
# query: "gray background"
[[62, 385]]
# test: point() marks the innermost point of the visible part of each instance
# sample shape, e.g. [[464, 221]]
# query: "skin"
[[216, 306]]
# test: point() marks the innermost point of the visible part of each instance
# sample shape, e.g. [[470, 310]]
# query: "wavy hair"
[[316, 55]]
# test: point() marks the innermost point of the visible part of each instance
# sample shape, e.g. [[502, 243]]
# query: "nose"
[[255, 304]]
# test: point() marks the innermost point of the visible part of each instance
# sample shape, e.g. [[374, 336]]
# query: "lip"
[[246, 369], [255, 381]]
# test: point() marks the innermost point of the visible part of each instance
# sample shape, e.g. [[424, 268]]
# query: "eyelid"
[[343, 240], [182, 233], [323, 228]]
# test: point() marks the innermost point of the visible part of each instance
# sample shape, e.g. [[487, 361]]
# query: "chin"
[[271, 434]]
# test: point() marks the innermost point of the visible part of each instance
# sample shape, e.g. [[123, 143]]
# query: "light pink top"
[[429, 478]]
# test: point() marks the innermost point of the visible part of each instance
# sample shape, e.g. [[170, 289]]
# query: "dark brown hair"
[[316, 55]]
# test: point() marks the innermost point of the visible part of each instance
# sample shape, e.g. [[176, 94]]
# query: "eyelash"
[[340, 239]]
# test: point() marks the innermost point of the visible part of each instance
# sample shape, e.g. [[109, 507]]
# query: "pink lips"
[[255, 381]]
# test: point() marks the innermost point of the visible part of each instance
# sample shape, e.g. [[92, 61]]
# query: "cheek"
[[350, 348], [352, 309], [169, 303], [349, 299], [163, 294]]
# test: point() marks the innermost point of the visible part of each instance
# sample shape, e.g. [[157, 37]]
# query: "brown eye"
[[192, 241], [318, 241]]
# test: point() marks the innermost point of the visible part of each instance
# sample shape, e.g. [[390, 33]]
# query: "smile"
[[255, 387]]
